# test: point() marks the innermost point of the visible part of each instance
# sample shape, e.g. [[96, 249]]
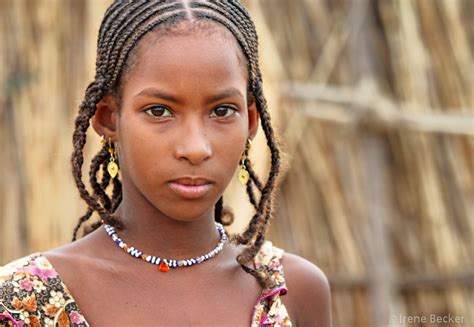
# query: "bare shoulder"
[[309, 296], [80, 261]]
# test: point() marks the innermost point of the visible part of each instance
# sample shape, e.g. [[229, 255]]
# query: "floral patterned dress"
[[33, 294]]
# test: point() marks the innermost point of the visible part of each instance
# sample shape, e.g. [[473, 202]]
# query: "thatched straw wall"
[[377, 116], [375, 105], [46, 59]]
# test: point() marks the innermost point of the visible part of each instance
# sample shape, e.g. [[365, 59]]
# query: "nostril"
[[194, 154]]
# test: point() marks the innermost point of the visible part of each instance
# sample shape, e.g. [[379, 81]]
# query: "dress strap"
[[269, 310], [270, 256]]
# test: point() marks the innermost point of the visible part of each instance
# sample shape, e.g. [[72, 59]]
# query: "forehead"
[[195, 30], [189, 51]]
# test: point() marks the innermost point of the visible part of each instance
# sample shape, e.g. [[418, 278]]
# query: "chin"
[[188, 212]]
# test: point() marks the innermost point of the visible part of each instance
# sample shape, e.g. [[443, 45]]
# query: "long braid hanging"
[[124, 24]]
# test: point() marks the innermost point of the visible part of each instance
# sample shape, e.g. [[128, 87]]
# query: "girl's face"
[[184, 113]]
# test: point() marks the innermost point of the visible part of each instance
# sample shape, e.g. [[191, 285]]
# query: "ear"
[[253, 116], [105, 119]]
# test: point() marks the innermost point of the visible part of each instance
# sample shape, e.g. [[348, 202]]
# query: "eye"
[[223, 111], [158, 111]]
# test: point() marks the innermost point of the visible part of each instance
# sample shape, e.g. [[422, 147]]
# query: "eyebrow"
[[157, 93]]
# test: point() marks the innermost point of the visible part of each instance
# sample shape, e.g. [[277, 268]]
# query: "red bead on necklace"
[[164, 267]]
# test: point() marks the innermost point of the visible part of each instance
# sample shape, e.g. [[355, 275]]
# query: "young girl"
[[177, 99]]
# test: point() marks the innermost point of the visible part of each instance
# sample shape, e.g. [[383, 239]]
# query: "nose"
[[193, 144]]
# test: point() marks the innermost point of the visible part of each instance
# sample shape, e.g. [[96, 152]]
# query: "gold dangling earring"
[[112, 167], [243, 174]]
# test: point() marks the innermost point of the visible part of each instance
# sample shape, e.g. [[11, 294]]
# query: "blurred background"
[[374, 104]]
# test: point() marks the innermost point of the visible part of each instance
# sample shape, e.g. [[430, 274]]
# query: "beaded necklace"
[[166, 264]]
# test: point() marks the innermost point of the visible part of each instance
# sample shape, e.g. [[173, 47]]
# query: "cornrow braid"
[[124, 24], [253, 179], [99, 159], [218, 210], [104, 182], [81, 220], [116, 193]]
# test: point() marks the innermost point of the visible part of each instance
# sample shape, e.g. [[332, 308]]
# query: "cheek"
[[139, 148], [227, 152], [230, 140]]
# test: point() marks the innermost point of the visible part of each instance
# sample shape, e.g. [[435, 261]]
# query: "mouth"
[[191, 187]]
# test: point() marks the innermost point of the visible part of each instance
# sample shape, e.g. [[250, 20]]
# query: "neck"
[[156, 234]]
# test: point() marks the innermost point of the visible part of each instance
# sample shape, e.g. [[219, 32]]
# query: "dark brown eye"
[[158, 111], [223, 111]]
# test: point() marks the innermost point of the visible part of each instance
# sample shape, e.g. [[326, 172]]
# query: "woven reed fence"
[[375, 105]]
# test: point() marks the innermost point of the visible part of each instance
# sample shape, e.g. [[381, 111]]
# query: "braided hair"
[[124, 24]]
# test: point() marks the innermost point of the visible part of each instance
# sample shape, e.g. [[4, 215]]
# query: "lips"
[[193, 181], [191, 187]]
